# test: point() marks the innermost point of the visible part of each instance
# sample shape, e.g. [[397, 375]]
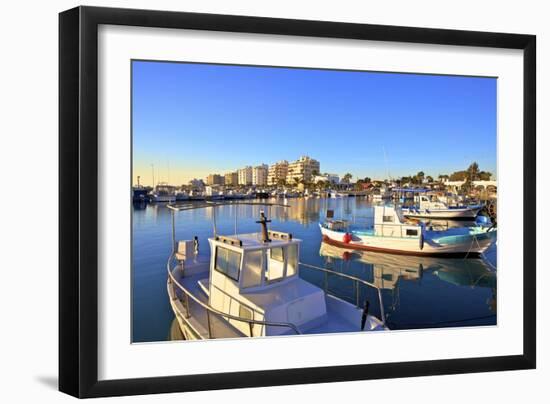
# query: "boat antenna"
[[264, 221], [153, 171], [386, 163]]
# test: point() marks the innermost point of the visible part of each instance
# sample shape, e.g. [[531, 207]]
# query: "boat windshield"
[[266, 266]]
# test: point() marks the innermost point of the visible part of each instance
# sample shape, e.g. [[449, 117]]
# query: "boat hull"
[[443, 246]]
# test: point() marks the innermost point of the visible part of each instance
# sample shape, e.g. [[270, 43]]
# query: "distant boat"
[[249, 286], [234, 195], [381, 194], [262, 195], [139, 193], [164, 193], [430, 207], [182, 196], [392, 233]]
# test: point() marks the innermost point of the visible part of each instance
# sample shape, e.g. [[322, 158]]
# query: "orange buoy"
[[347, 238]]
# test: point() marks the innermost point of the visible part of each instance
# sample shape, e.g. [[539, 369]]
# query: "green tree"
[[485, 175], [473, 171], [347, 178], [458, 175]]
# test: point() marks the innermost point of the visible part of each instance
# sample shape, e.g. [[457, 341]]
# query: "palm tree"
[[473, 171], [473, 175], [347, 177], [420, 177]]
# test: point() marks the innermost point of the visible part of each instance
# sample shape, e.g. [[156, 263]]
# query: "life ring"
[[347, 238]]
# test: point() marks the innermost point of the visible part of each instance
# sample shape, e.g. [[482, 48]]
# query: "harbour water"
[[415, 292]]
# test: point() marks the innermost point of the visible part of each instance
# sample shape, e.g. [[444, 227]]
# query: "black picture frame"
[[78, 200]]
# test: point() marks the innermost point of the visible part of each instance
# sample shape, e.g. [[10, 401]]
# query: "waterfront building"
[[245, 176], [232, 179], [259, 175], [302, 170], [332, 178], [215, 179], [277, 172]]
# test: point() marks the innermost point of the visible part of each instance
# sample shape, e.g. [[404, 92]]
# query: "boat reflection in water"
[[423, 292]]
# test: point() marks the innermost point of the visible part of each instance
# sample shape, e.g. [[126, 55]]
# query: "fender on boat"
[[347, 238]]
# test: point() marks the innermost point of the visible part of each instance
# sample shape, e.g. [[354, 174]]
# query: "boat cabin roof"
[[253, 241]]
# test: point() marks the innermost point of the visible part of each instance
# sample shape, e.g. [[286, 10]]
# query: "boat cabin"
[[256, 278], [429, 201], [390, 222]]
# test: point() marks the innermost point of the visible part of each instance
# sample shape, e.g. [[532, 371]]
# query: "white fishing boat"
[[164, 193], [249, 286], [381, 194], [336, 194], [429, 206], [391, 232], [182, 196]]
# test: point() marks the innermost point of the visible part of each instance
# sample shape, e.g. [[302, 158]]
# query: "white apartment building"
[[332, 178], [277, 172], [245, 176], [259, 175], [303, 169]]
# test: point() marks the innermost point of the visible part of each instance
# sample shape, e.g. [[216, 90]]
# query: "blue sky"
[[193, 119]]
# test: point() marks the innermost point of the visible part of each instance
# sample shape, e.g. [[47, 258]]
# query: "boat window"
[[277, 254], [228, 262], [387, 219], [411, 232], [292, 259], [275, 267], [245, 312], [252, 273]]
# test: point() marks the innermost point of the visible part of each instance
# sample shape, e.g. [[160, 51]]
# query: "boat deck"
[[219, 327]]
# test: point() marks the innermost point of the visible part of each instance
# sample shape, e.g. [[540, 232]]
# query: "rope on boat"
[[482, 254]]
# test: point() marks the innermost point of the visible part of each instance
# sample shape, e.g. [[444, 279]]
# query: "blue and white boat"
[[430, 207], [391, 232]]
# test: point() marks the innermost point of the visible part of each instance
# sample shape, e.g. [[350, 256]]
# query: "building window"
[[228, 262]]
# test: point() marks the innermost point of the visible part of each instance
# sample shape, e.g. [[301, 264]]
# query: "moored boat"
[[428, 206], [249, 286], [164, 193], [393, 233]]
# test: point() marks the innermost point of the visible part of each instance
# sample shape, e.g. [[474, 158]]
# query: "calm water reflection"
[[416, 292]]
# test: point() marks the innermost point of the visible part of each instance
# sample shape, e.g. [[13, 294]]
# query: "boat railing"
[[187, 295], [356, 283]]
